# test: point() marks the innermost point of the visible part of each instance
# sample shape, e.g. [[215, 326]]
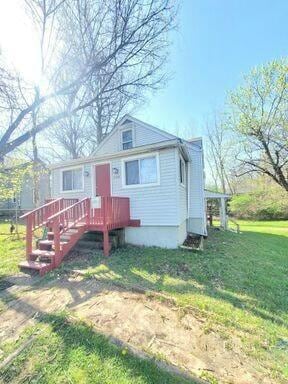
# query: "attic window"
[[127, 139]]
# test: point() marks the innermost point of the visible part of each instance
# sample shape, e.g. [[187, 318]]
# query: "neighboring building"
[[26, 200], [27, 196], [162, 175]]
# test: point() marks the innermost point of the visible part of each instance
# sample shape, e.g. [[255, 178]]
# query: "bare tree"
[[79, 134], [219, 154], [74, 135], [116, 38]]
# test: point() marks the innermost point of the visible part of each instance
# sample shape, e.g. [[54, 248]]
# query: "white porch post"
[[223, 216]]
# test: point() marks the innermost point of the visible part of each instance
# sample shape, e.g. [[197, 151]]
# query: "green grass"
[[12, 250], [270, 227], [66, 351], [239, 283]]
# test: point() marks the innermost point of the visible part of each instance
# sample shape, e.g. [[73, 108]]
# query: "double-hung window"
[[141, 171], [127, 139], [72, 179]]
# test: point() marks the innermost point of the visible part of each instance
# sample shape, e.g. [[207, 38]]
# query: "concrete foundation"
[[158, 236]]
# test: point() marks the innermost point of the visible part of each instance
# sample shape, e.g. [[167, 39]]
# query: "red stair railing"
[[62, 221], [38, 217]]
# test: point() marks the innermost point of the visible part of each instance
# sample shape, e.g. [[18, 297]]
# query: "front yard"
[[11, 250], [233, 294]]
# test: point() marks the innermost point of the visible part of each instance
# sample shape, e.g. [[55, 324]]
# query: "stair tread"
[[51, 242], [40, 252], [33, 264]]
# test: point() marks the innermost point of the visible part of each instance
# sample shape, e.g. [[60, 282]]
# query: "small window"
[[72, 179], [127, 139], [182, 171], [141, 171]]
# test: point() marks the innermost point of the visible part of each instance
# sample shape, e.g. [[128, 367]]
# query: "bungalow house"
[[160, 175]]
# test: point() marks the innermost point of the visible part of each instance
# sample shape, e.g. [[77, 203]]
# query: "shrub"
[[266, 204]]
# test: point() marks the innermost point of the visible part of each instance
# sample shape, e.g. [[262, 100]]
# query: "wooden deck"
[[65, 221]]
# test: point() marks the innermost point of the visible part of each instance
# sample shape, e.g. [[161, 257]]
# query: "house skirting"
[[196, 225], [156, 236]]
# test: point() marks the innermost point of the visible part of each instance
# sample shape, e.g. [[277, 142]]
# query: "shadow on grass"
[[249, 271], [71, 351]]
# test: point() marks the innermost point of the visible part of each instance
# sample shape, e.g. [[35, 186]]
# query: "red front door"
[[103, 187]]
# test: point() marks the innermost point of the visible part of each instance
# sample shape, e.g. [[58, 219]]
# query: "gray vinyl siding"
[[145, 136], [57, 187], [141, 136], [111, 146], [196, 205], [153, 205], [182, 191], [160, 205]]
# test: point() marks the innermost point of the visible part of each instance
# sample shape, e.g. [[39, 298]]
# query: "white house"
[[161, 174]]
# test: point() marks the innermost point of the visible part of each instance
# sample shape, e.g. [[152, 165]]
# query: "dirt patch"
[[143, 322]]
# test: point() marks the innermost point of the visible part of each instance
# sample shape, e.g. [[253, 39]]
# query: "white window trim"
[[131, 158], [183, 184], [124, 129], [70, 169]]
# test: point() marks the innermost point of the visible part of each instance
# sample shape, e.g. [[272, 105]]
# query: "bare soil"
[[142, 321]]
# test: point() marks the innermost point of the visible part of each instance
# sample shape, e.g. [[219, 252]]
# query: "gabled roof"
[[126, 119], [172, 143]]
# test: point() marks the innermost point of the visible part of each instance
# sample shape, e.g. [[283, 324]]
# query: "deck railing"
[[113, 212], [117, 211]]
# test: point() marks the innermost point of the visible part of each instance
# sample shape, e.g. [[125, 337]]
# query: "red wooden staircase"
[[65, 221]]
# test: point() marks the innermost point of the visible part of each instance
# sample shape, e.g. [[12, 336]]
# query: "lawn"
[[66, 351], [239, 283], [12, 250]]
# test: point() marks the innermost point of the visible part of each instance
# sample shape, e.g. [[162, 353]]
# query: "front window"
[[127, 139], [141, 171], [72, 179]]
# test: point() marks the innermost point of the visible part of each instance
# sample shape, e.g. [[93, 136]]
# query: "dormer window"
[[127, 139]]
